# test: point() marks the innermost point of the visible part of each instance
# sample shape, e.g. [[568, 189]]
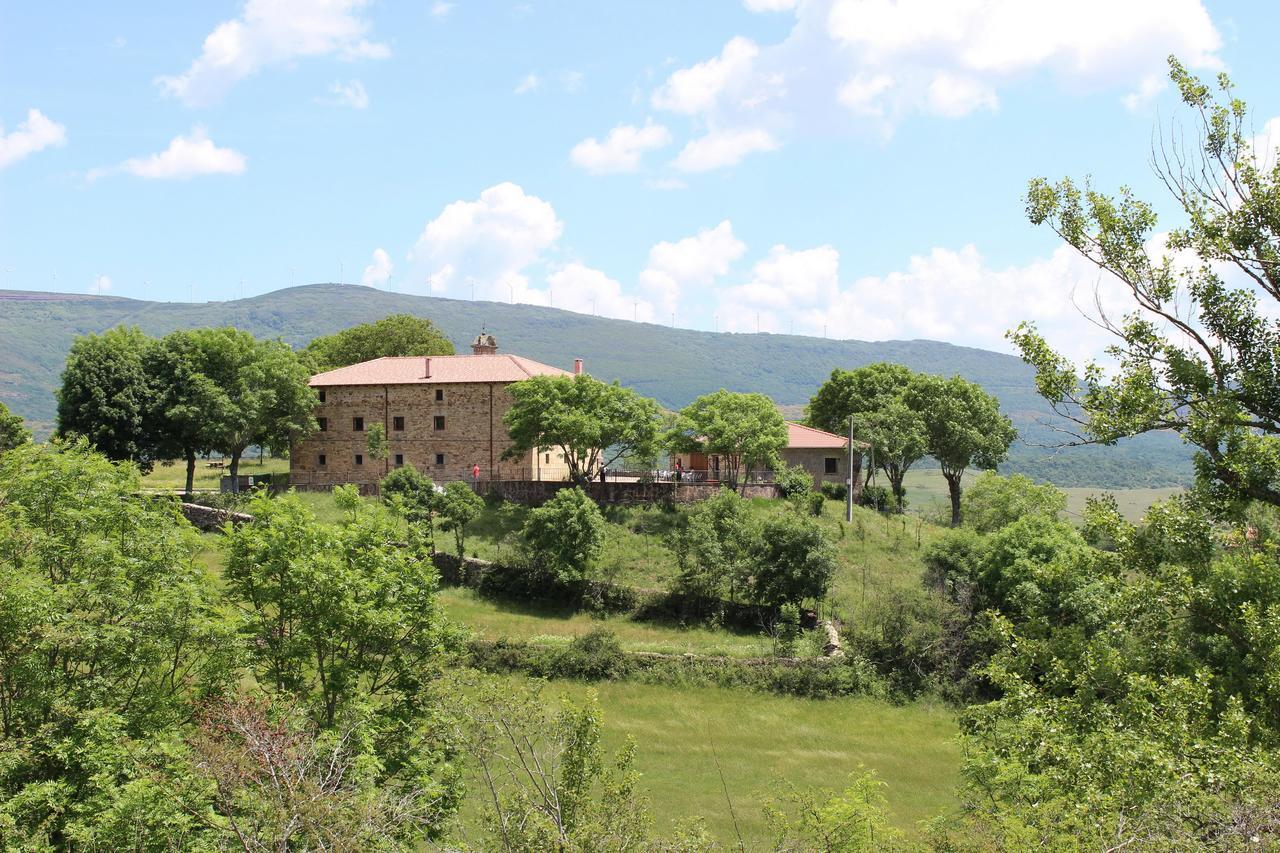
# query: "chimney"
[[577, 367], [427, 375]]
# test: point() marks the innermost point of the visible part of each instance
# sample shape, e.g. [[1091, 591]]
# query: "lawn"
[[559, 623], [172, 474], [687, 737]]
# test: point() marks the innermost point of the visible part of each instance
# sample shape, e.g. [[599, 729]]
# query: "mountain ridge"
[[672, 365]]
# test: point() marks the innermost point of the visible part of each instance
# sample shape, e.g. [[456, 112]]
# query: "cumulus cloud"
[[351, 94], [695, 261], [441, 9], [770, 5], [580, 288], [721, 148], [273, 32], [621, 150], [698, 88], [489, 242], [378, 272], [36, 133], [186, 157]]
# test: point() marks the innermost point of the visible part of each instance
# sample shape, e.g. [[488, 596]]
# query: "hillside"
[[670, 365]]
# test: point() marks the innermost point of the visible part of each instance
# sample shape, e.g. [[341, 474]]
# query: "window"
[[439, 395], [320, 460], [439, 458], [831, 465], [397, 424], [357, 424], [321, 395], [439, 421], [323, 423], [399, 459], [359, 459], [548, 458]]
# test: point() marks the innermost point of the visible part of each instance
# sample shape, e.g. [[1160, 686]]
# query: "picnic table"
[[217, 463]]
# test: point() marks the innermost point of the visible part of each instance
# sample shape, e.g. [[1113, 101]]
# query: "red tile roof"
[[799, 435], [412, 370]]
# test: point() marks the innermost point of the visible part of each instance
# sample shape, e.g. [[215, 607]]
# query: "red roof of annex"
[[437, 369], [799, 435]]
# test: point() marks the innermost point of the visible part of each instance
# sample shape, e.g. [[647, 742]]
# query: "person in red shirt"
[[475, 474]]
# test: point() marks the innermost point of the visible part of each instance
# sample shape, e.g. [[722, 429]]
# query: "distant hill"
[[671, 365]]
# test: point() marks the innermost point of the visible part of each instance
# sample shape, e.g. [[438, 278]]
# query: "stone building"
[[442, 414], [823, 454]]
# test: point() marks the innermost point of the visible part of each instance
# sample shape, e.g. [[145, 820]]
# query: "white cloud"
[[862, 93], [441, 9], [36, 133], [770, 5], [697, 89], [529, 83], [1265, 144], [720, 148], [273, 32], [379, 270], [955, 96], [695, 261], [489, 241], [186, 157], [577, 287], [351, 94], [621, 150]]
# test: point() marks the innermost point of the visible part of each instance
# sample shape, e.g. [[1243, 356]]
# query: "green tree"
[[458, 507], [1197, 354], [416, 496], [376, 443], [259, 394], [793, 560], [592, 423], [855, 392], [746, 430], [185, 397], [714, 549], [898, 438], [853, 820], [107, 396], [12, 431], [993, 501], [963, 428], [110, 635], [566, 534], [396, 335]]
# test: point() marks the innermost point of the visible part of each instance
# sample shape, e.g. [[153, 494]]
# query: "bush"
[[817, 503], [835, 491], [793, 481], [993, 501], [793, 561], [566, 534], [878, 498]]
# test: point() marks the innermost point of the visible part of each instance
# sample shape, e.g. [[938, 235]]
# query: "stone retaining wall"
[[209, 518]]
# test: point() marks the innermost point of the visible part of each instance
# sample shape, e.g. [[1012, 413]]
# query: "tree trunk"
[[235, 469], [953, 486], [191, 471], [895, 482]]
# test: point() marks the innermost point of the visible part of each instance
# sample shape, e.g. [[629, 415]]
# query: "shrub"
[[993, 501], [793, 561], [458, 507], [793, 481], [835, 491], [566, 534], [878, 498]]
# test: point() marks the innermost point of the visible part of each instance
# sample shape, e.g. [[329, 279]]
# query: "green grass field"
[[173, 474], [687, 737]]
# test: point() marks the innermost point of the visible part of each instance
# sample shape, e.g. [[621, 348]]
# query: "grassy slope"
[[671, 365]]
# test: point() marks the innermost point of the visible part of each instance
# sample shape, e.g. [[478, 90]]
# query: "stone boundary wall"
[[208, 518]]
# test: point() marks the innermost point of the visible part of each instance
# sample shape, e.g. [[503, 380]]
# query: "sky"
[[847, 168]]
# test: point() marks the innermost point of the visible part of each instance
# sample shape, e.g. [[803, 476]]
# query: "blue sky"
[[847, 167]]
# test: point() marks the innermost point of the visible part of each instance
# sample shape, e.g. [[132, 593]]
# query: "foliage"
[[12, 431], [566, 534], [993, 501], [457, 507], [793, 480], [746, 430], [917, 641], [592, 423], [963, 427], [793, 561], [376, 441], [394, 335], [549, 784], [109, 634], [107, 396], [852, 820], [834, 491], [414, 495], [1197, 354], [185, 397], [714, 549]]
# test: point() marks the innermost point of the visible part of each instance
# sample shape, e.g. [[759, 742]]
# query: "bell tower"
[[484, 344]]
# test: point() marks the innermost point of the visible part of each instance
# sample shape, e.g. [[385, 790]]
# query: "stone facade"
[[819, 462], [443, 429]]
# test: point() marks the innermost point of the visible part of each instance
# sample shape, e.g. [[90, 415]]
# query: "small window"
[[397, 424], [439, 421], [359, 459], [832, 465], [321, 395], [439, 458], [439, 395], [320, 460], [357, 424], [548, 458], [323, 423], [399, 459]]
